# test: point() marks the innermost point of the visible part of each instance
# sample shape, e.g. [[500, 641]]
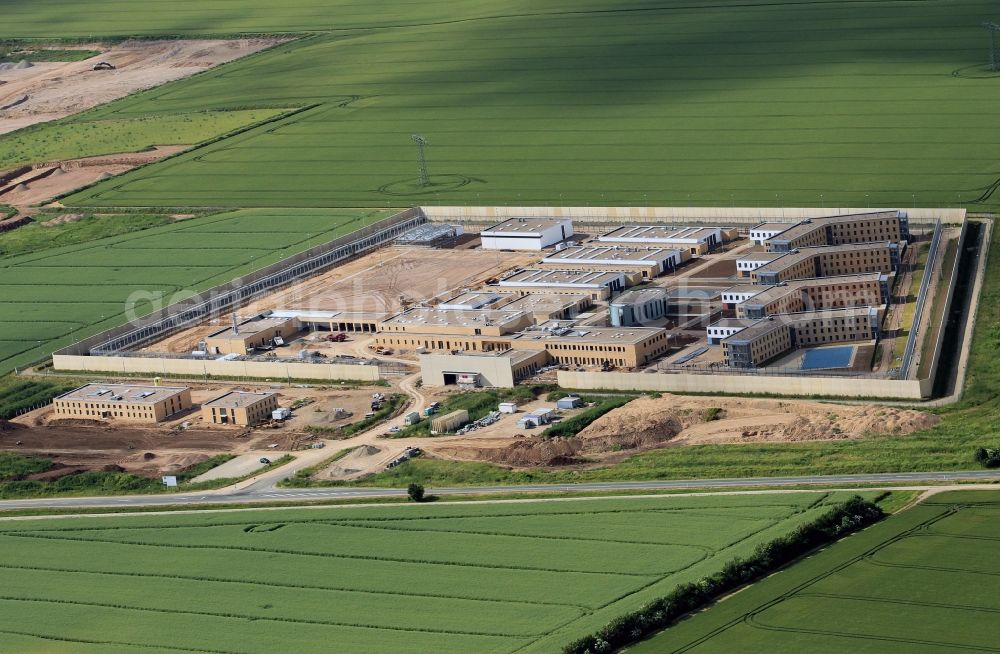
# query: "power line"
[[993, 28], [424, 179]]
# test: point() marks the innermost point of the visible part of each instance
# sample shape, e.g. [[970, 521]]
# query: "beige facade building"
[[122, 402], [842, 230], [768, 338], [501, 369], [243, 408], [623, 347], [249, 334], [829, 261], [869, 289], [449, 322]]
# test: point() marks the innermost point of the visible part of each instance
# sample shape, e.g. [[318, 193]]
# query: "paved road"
[[250, 496]]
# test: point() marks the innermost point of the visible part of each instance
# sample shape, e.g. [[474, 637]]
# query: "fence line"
[[224, 296], [918, 312]]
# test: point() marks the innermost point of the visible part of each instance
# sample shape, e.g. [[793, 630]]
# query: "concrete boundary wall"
[[241, 290], [743, 384], [738, 216], [952, 284], [202, 367]]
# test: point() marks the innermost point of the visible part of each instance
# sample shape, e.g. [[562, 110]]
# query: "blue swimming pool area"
[[828, 357]]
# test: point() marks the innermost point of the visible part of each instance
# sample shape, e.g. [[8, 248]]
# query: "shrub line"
[[853, 515]]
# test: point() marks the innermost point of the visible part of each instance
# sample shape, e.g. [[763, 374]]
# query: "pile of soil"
[[640, 423], [649, 423], [532, 452]]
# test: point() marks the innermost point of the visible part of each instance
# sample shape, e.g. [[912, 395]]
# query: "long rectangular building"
[[696, 240], [621, 347], [651, 262], [122, 402], [841, 230], [852, 259], [445, 322], [624, 347], [768, 338], [526, 233], [598, 284], [867, 289]]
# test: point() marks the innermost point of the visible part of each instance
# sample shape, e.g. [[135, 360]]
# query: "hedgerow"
[[851, 516]]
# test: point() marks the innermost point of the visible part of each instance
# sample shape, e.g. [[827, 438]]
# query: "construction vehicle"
[[339, 337]]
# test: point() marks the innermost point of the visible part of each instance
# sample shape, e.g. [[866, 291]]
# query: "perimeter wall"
[[906, 389], [739, 216], [275, 370]]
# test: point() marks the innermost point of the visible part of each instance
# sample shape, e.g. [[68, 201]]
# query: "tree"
[[415, 492]]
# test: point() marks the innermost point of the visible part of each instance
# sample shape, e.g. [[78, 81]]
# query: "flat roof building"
[[725, 328], [499, 369], [472, 300], [334, 321], [599, 285], [760, 233], [456, 322], [740, 293], [841, 230], [624, 347], [251, 333], [243, 408], [750, 262], [550, 306], [650, 261], [122, 402], [696, 240], [526, 233], [638, 307]]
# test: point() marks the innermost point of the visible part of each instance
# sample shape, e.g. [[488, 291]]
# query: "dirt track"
[[75, 173], [55, 90]]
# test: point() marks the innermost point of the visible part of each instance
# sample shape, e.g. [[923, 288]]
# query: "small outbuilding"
[[569, 402], [243, 408], [508, 407]]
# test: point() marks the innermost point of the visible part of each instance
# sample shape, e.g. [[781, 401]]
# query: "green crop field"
[[55, 296], [925, 580], [833, 103], [525, 577], [78, 137]]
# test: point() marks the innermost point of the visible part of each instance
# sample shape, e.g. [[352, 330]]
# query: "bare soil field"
[[672, 421], [55, 90], [377, 281], [96, 445], [75, 173]]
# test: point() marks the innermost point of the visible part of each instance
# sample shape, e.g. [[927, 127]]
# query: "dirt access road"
[[58, 89], [388, 449]]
